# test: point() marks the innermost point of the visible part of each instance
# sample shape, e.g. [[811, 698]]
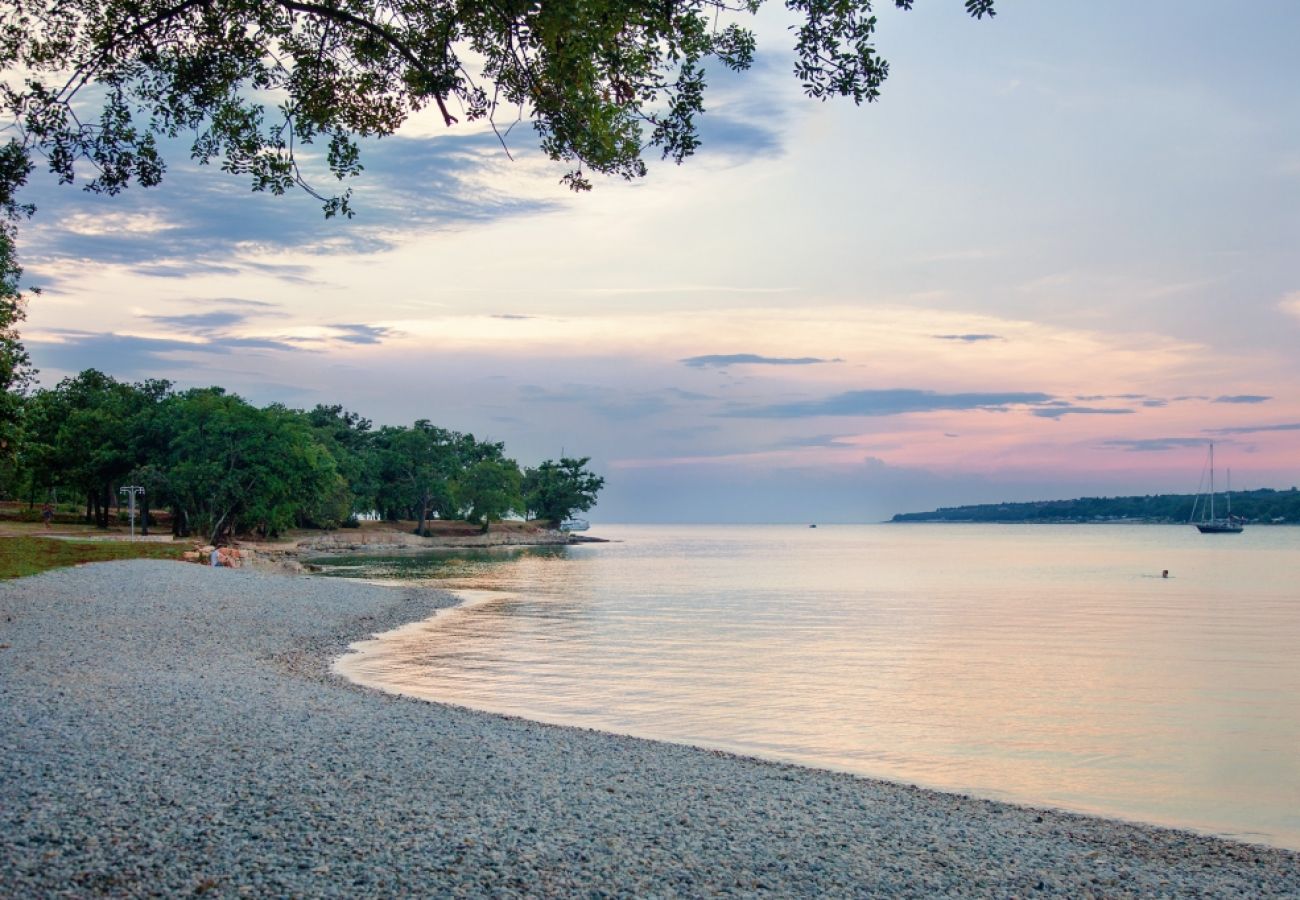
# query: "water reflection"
[[1047, 665]]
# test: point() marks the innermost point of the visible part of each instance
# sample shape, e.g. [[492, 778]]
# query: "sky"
[[1056, 259]]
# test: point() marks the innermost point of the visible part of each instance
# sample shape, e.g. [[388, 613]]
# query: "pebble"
[[172, 729]]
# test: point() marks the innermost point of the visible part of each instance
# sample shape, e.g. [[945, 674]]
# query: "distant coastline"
[[1261, 507]]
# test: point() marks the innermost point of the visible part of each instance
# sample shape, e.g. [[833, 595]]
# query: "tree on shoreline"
[[488, 490], [225, 467], [554, 491], [416, 469]]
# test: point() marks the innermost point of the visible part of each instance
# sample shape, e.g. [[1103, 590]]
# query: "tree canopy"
[[225, 467], [556, 490], [16, 370], [96, 83]]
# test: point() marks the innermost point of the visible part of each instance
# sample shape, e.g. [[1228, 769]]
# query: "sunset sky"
[[1056, 259]]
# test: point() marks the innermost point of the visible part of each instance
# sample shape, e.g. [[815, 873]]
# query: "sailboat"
[[1210, 523]]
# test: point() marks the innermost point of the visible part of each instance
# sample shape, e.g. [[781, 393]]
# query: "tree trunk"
[[219, 528], [423, 530]]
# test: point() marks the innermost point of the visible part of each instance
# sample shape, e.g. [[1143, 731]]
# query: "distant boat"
[[1210, 523], [813, 525], [575, 525]]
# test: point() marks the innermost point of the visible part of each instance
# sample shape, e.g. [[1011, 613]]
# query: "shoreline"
[[174, 728], [350, 667], [287, 556]]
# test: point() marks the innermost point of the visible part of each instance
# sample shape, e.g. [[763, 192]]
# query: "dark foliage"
[[223, 466], [1264, 505]]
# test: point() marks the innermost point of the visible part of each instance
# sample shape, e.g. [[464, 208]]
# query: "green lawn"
[[28, 555]]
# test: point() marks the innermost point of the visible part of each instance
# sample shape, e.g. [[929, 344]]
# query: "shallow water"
[[1049, 665]]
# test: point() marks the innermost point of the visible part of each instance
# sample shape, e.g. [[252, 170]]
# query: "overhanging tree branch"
[[342, 16]]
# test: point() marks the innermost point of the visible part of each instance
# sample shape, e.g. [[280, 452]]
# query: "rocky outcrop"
[[287, 556]]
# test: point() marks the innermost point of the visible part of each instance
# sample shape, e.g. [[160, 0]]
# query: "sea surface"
[[1048, 665]]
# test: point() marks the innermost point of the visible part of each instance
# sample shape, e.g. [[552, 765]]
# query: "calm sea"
[[1049, 665]]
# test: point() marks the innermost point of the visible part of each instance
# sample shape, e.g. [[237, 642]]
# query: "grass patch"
[[24, 555]]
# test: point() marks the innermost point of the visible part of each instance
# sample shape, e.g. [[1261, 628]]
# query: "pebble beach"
[[169, 729]]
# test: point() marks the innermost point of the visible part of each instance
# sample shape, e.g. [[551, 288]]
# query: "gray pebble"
[[170, 729]]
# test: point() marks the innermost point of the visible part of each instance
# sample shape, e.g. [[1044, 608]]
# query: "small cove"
[[1048, 665]]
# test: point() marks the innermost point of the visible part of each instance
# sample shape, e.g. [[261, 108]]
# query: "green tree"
[[420, 466], [488, 490], [554, 491], [601, 80], [351, 442], [417, 466], [236, 468], [82, 434], [16, 372]]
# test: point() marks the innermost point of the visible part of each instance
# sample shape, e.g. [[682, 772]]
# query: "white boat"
[[1209, 522], [575, 525]]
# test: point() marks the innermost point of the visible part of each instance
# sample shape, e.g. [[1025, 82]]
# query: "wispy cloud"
[[236, 301], [1154, 445], [202, 321], [1056, 412], [723, 360], [1143, 399], [968, 338], [1242, 398], [129, 355], [362, 334], [739, 139], [1255, 429], [214, 328], [891, 403], [197, 219]]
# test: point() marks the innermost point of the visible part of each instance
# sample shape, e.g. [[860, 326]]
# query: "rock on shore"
[[170, 729], [285, 557]]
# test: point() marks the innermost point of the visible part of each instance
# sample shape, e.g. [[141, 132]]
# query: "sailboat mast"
[[1211, 482]]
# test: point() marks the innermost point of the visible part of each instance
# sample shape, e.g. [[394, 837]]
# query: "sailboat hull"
[[1218, 528]]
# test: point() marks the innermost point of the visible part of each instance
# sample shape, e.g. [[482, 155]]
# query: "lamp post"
[[131, 491]]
